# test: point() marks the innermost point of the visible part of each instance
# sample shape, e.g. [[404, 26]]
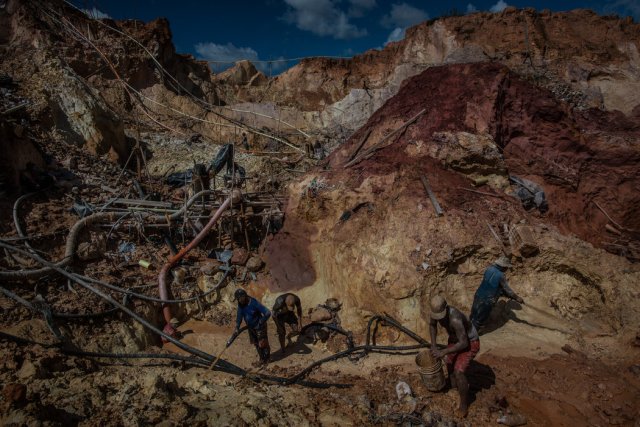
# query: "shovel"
[[233, 337], [219, 356]]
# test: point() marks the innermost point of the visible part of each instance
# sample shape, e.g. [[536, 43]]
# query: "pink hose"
[[162, 278]]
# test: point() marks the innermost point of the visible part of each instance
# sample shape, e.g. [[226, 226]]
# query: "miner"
[[494, 285], [255, 316], [283, 314], [463, 345]]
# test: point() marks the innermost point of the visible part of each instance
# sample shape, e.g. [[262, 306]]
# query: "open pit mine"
[[441, 232]]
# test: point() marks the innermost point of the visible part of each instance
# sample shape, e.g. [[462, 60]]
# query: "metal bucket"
[[430, 371]]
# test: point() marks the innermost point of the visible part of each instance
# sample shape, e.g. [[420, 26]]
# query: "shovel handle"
[[218, 358]]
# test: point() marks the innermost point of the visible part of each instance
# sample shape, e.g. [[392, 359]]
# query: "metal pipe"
[[73, 235], [162, 277]]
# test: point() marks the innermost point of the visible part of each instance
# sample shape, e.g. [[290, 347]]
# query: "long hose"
[[221, 365], [162, 277], [225, 366], [150, 298], [174, 357], [74, 233]]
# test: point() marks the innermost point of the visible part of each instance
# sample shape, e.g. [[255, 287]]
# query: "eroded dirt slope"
[[391, 252]]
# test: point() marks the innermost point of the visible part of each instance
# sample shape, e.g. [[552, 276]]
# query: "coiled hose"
[[74, 233], [221, 364]]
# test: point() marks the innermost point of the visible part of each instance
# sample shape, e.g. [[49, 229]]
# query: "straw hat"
[[504, 262]]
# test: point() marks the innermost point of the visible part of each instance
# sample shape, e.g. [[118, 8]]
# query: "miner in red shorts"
[[463, 345]]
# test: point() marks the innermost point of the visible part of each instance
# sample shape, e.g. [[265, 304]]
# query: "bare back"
[[457, 324]]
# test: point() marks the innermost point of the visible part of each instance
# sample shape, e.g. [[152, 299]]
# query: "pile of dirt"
[[578, 157], [395, 253]]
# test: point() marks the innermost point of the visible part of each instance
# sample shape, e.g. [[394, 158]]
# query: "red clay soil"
[[561, 390], [577, 156], [566, 390], [288, 257]]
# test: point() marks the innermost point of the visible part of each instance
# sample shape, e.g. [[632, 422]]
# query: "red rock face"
[[574, 47], [578, 157], [288, 257]]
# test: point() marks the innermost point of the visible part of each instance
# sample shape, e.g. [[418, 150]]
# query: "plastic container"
[[430, 371]]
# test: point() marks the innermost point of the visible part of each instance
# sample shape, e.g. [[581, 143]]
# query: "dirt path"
[[521, 363]]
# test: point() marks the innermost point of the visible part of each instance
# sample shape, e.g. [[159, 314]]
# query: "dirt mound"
[[578, 157], [378, 244]]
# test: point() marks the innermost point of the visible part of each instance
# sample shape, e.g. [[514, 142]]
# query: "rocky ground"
[[358, 226]]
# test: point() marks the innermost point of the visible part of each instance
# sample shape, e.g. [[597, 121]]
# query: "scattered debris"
[[144, 264], [125, 249], [379, 145], [530, 194], [239, 256], [432, 197], [402, 390]]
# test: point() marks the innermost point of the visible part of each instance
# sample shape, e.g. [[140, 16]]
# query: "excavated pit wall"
[[375, 262], [395, 253]]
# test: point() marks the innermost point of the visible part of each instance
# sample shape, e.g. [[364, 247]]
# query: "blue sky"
[[282, 29]]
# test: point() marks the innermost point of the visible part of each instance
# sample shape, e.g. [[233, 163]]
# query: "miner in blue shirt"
[[255, 316], [494, 285]]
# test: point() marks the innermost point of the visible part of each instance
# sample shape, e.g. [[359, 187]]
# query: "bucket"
[[430, 371]]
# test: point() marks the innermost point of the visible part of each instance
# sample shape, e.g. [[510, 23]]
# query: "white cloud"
[[624, 8], [403, 15], [400, 17], [323, 18], [225, 52], [471, 8], [228, 54], [396, 35], [498, 7], [358, 8], [95, 13]]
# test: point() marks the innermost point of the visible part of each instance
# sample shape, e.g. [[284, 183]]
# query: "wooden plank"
[[505, 250], [432, 196], [15, 108], [357, 150], [138, 202], [379, 145]]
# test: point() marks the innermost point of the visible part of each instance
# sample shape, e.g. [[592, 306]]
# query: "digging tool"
[[231, 340], [219, 356]]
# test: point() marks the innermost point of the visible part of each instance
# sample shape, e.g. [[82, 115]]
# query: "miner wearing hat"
[[494, 285], [462, 346], [255, 316]]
